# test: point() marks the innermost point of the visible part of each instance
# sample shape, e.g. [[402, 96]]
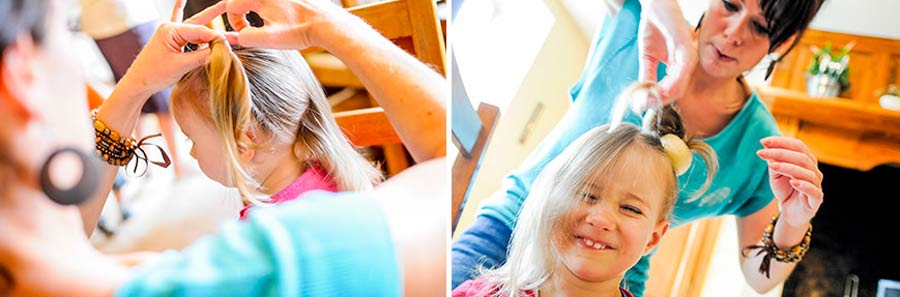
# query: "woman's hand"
[[161, 62], [288, 24], [795, 179], [664, 37]]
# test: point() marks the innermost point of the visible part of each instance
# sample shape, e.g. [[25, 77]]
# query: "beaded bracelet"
[[119, 150], [768, 247]]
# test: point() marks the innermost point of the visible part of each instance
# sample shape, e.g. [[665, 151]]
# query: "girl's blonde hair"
[[532, 256], [276, 92]]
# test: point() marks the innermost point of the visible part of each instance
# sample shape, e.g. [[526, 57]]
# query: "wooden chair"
[[471, 132], [367, 127], [413, 26]]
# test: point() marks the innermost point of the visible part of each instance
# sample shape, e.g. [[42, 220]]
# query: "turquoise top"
[[323, 244], [740, 188]]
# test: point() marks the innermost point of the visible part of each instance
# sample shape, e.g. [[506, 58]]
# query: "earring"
[[81, 191], [773, 58]]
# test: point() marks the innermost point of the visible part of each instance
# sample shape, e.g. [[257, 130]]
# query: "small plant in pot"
[[829, 74]]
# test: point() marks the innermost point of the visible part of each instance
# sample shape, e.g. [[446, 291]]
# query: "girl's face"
[[616, 220], [206, 145], [733, 37]]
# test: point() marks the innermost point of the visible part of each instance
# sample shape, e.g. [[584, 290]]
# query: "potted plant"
[[829, 74]]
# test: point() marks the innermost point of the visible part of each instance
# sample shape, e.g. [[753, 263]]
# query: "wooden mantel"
[[852, 131], [839, 131]]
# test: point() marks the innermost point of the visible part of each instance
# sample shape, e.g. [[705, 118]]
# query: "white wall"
[[867, 17], [536, 68]]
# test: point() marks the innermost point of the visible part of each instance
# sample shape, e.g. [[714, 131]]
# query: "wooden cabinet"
[[839, 132], [851, 131]]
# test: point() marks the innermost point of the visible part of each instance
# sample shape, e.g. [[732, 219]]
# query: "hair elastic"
[[677, 151]]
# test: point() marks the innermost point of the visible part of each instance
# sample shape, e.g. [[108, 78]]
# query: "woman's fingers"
[[813, 193], [208, 14], [232, 38], [194, 59], [254, 37], [237, 21], [242, 7], [237, 10], [794, 172], [648, 63], [178, 11], [786, 143], [679, 68], [787, 156], [275, 37], [190, 33]]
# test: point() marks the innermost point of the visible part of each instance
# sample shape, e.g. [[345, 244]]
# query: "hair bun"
[[677, 151]]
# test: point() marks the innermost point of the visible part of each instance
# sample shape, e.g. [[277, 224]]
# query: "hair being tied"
[[275, 93], [230, 105], [666, 123]]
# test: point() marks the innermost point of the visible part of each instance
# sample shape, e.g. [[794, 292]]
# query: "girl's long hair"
[[532, 256], [276, 91]]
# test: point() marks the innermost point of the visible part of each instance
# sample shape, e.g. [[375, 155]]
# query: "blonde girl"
[[596, 209], [259, 121]]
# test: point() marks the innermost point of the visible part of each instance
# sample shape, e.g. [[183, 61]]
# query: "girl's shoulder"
[[480, 287], [475, 288]]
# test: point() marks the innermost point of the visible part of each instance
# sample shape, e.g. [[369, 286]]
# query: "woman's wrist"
[[787, 235], [120, 111], [668, 17], [133, 89], [339, 32]]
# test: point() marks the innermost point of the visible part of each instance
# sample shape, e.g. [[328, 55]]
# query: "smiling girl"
[[594, 212]]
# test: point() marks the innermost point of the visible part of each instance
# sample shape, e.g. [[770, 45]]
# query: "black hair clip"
[[190, 47]]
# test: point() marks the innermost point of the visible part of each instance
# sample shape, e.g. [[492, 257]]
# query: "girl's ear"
[[16, 77], [656, 236], [250, 138]]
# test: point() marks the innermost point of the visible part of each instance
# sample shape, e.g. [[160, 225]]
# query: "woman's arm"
[[417, 219], [665, 37], [797, 185], [159, 65], [750, 232], [412, 95]]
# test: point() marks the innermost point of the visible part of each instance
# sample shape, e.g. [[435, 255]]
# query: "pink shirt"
[[481, 288], [314, 178]]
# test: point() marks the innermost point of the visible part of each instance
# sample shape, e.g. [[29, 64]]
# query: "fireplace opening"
[[855, 233]]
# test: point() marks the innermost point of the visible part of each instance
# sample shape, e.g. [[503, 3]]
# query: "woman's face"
[[616, 220], [733, 37], [46, 80]]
